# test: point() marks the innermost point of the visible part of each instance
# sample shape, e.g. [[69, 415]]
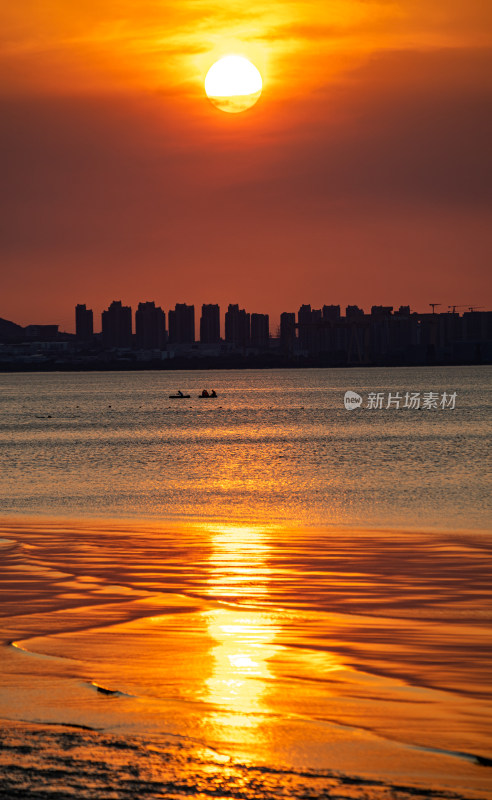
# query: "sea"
[[284, 591]]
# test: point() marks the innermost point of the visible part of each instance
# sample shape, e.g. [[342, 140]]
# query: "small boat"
[[207, 397], [179, 396]]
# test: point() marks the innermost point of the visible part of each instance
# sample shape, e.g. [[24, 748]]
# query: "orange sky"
[[363, 174]]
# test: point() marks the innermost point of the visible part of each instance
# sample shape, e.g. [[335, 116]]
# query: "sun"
[[233, 84]]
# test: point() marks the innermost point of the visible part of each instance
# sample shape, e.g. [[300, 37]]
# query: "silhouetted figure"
[[180, 393], [205, 393], [213, 394]]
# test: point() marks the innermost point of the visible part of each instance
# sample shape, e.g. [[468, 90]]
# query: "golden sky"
[[362, 174], [95, 46]]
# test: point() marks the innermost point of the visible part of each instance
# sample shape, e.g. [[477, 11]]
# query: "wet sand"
[[185, 660]]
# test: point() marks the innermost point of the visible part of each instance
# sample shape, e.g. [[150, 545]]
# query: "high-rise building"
[[210, 324], [353, 311], [304, 319], [117, 325], [237, 326], [331, 313], [150, 326], [381, 311], [304, 314], [260, 330], [182, 324], [403, 311], [313, 329], [287, 331], [84, 323]]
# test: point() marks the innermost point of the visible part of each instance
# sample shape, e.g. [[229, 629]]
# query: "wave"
[[106, 691]]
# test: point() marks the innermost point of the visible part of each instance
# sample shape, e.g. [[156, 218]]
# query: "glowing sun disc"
[[233, 84]]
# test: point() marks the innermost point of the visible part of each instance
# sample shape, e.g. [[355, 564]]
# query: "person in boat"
[[205, 393], [180, 393], [213, 393]]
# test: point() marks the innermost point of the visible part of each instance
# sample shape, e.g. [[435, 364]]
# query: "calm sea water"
[[255, 597], [275, 446]]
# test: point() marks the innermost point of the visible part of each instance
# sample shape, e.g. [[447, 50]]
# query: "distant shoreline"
[[193, 364]]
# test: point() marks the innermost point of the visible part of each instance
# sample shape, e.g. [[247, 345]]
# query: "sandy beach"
[[130, 649]]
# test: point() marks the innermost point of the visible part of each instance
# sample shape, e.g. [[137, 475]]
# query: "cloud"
[[88, 46]]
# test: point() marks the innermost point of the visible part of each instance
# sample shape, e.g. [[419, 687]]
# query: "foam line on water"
[[18, 646]]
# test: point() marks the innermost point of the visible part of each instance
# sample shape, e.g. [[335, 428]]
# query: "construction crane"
[[433, 305], [474, 308], [453, 308]]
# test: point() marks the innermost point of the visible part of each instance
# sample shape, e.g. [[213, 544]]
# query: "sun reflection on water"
[[238, 569], [244, 635]]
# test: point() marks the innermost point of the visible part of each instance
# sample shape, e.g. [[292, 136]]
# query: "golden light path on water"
[[244, 642], [243, 680], [215, 635]]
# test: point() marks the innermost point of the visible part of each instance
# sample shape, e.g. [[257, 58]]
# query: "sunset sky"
[[362, 175]]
